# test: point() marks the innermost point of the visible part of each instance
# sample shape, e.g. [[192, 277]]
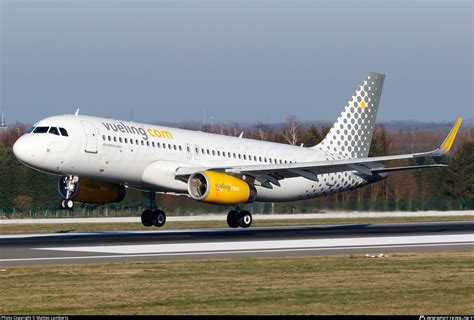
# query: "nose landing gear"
[[153, 217], [239, 218], [67, 204], [68, 188]]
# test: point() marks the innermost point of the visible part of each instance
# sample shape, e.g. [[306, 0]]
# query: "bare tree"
[[9, 137], [292, 131], [262, 131]]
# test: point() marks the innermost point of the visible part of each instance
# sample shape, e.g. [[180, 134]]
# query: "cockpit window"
[[30, 130], [54, 130], [41, 130], [63, 132]]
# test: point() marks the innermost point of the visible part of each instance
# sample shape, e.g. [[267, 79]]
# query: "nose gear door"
[[91, 137]]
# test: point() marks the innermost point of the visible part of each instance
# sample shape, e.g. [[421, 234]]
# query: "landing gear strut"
[[239, 218], [153, 217], [68, 189]]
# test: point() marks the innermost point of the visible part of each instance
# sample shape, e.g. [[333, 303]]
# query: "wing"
[[272, 173]]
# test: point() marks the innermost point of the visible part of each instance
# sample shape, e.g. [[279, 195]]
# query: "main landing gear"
[[239, 218], [152, 216]]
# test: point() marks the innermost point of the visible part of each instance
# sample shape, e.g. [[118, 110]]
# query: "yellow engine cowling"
[[219, 188], [96, 192]]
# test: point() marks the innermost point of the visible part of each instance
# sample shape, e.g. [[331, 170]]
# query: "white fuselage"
[[146, 156]]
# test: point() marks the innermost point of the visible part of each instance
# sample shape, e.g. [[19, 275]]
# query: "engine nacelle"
[[92, 191], [220, 188]]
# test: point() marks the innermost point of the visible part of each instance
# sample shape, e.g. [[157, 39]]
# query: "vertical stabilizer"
[[351, 134]]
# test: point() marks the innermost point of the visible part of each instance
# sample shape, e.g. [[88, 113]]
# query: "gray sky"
[[243, 61]]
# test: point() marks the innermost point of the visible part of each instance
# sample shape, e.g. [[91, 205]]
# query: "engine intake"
[[92, 191], [220, 188]]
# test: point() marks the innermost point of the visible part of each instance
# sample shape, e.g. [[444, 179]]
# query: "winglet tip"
[[448, 142]]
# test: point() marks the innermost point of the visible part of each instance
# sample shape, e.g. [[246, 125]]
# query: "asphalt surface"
[[72, 248]]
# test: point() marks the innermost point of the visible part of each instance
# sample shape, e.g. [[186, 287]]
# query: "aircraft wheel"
[[147, 218], [67, 204], [158, 218], [245, 219], [233, 219]]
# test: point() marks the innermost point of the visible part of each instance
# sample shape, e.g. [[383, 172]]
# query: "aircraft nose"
[[22, 149]]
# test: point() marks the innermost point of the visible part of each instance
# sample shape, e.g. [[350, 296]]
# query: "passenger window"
[[180, 148], [148, 143], [120, 139], [64, 132], [234, 155], [41, 130], [153, 144], [169, 146], [239, 155], [109, 138], [197, 150], [174, 146], [213, 153], [103, 137], [218, 153], [115, 139], [208, 151], [260, 159], [126, 140]]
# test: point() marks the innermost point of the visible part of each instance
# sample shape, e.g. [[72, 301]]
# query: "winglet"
[[77, 112], [448, 142]]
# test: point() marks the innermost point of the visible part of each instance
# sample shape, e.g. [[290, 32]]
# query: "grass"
[[100, 227], [424, 283]]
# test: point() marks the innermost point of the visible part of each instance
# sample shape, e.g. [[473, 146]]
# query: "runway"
[[72, 248]]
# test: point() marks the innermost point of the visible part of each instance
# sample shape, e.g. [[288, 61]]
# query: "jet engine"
[[220, 188], [91, 191]]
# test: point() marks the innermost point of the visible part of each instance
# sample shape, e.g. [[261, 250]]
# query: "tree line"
[[28, 192]]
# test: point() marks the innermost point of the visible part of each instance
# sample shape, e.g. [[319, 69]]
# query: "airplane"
[[97, 159]]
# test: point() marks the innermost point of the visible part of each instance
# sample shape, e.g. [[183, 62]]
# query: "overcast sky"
[[242, 61]]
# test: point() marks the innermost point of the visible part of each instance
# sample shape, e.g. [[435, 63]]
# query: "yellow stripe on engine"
[[452, 135]]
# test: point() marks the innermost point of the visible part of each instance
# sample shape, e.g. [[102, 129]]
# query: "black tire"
[[233, 219], [62, 205], [69, 204], [159, 218], [245, 219], [147, 218]]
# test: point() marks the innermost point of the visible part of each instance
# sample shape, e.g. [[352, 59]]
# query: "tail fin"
[[351, 134]]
